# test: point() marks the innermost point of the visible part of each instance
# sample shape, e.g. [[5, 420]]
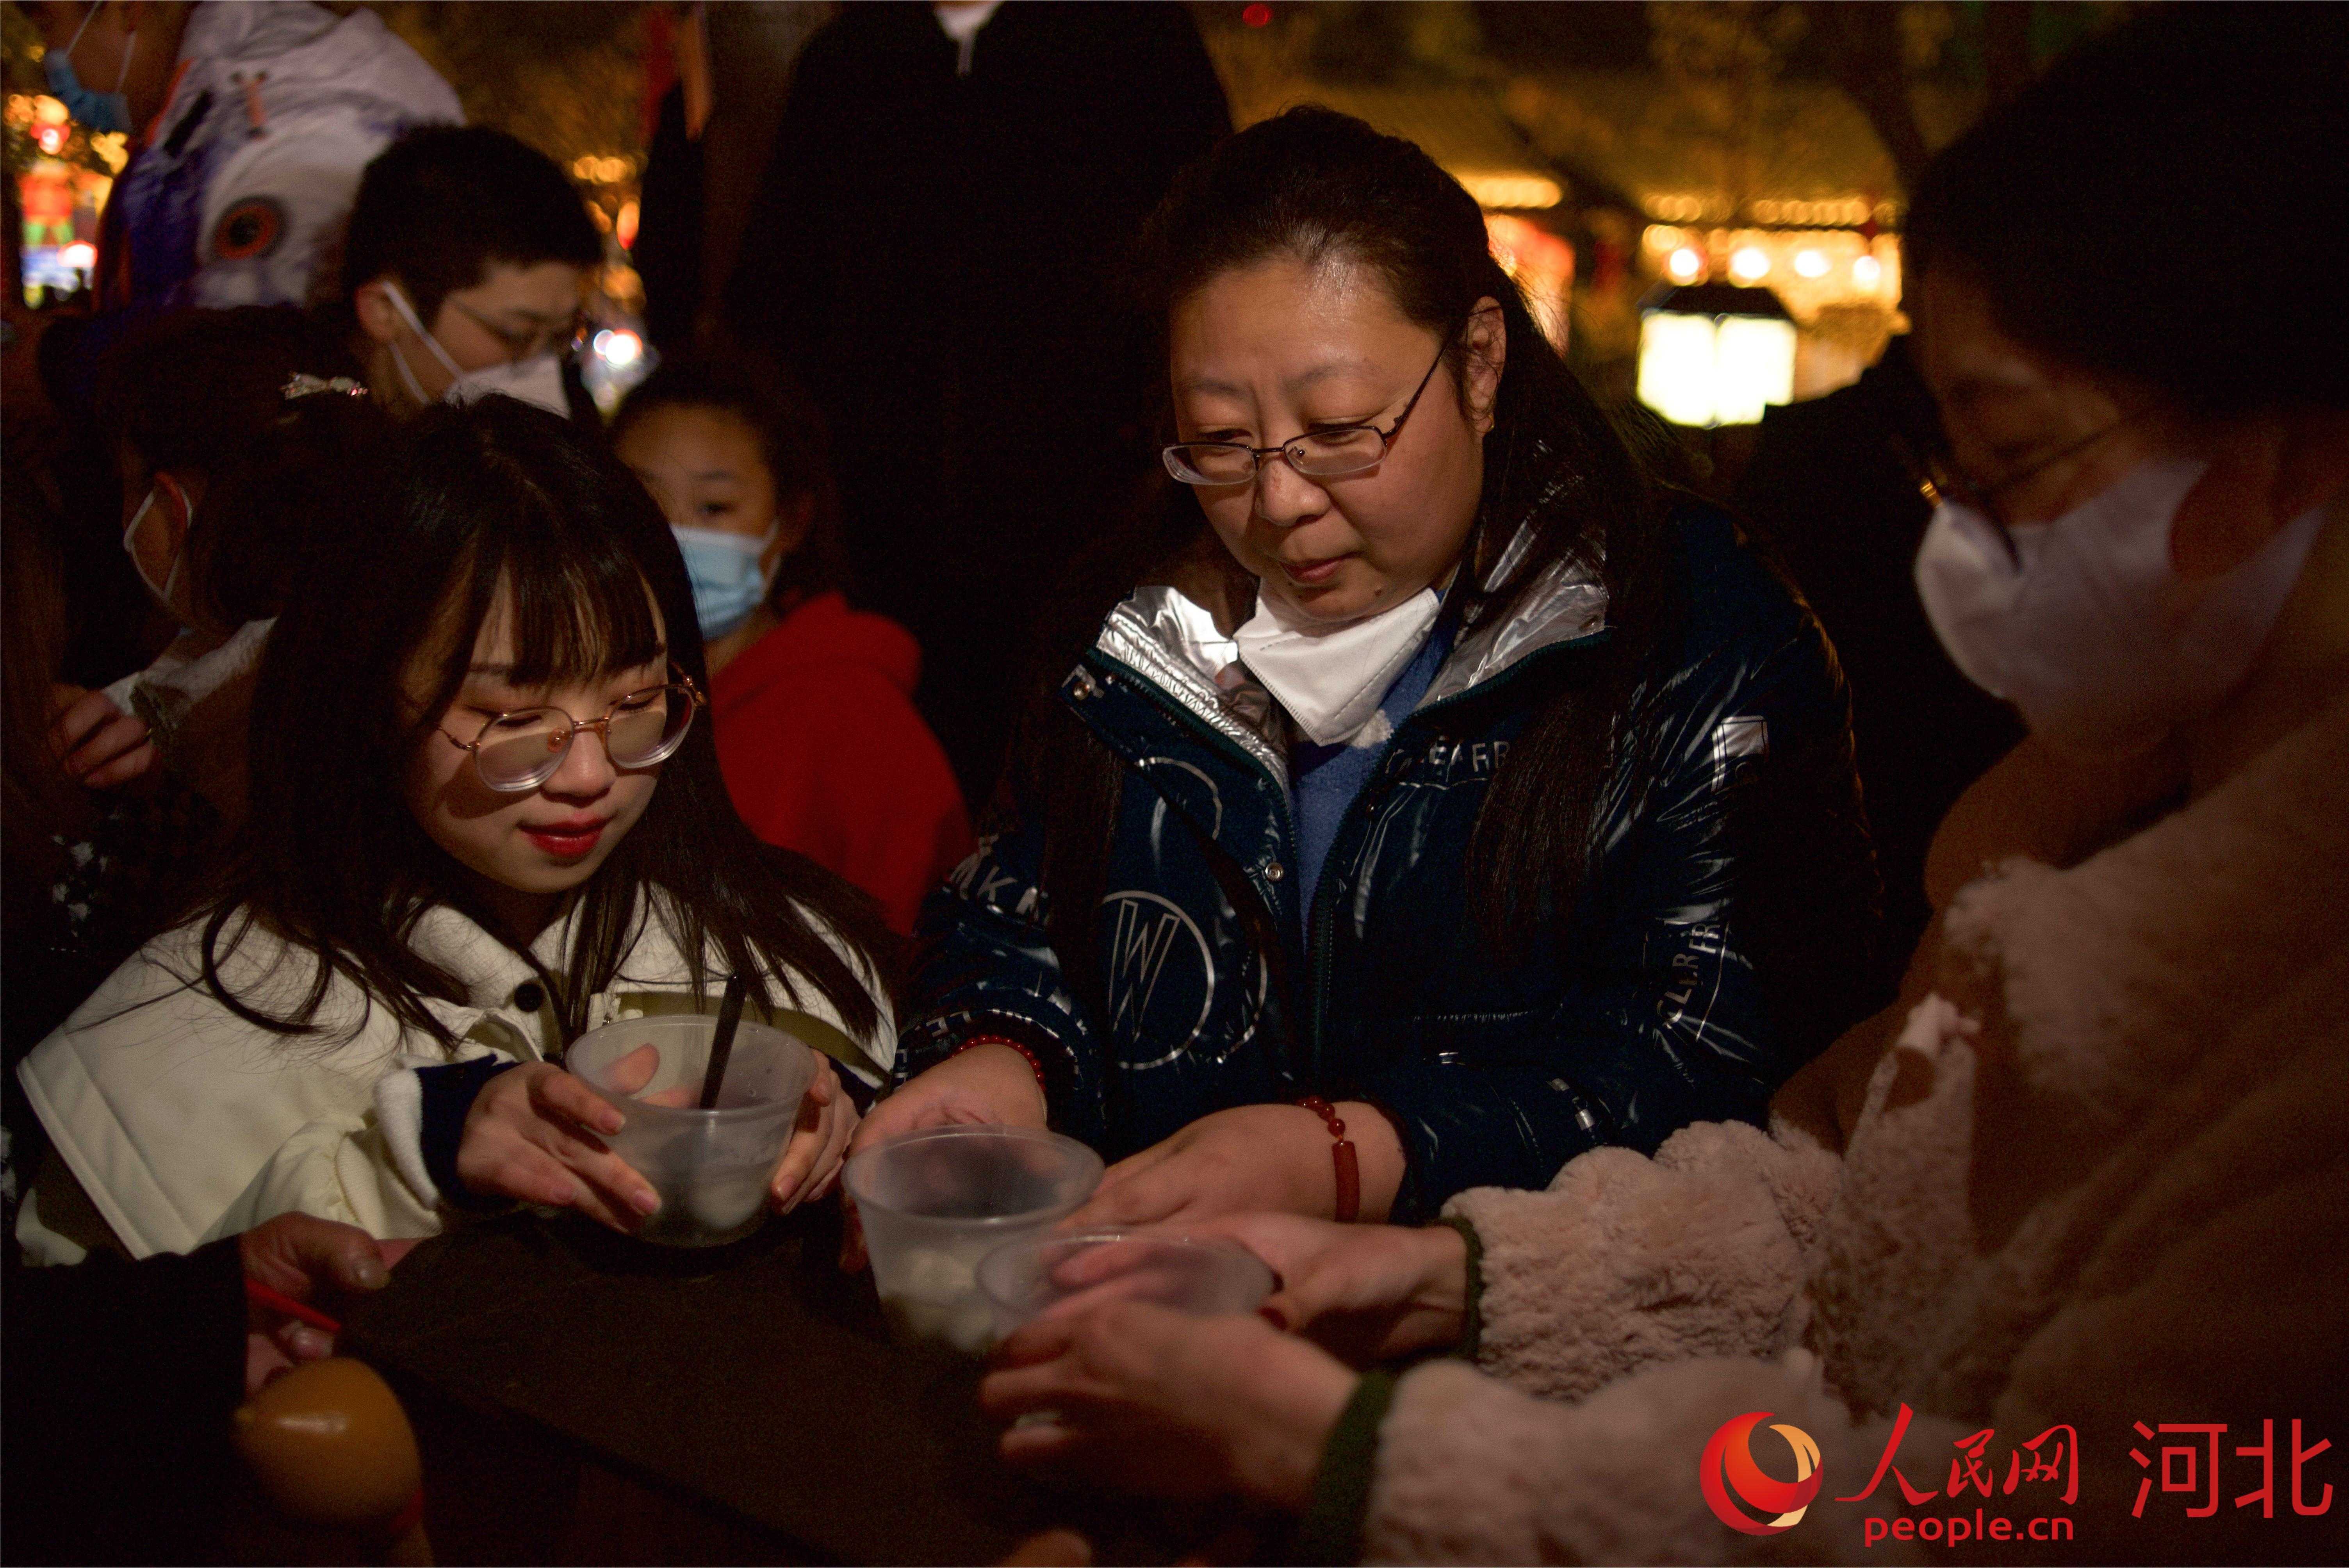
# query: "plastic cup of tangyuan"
[[710, 1167], [935, 1201], [1077, 1270]]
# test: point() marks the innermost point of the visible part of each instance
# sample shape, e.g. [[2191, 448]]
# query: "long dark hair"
[[791, 441], [434, 523], [1313, 183]]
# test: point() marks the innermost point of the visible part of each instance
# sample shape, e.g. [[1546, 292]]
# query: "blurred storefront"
[[1530, 205], [1698, 155]]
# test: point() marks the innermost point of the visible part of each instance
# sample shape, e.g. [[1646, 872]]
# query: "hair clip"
[[302, 384]]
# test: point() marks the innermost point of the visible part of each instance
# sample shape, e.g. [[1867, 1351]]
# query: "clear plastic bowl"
[[934, 1203], [710, 1167], [1202, 1277]]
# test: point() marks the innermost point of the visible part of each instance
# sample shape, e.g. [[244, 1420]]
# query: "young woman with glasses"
[[485, 819], [1446, 801]]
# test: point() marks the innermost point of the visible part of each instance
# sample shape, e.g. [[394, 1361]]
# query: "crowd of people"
[[1416, 838]]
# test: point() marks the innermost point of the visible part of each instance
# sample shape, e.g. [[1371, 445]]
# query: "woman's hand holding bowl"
[[536, 1133], [1364, 1292], [1147, 1399], [986, 1083]]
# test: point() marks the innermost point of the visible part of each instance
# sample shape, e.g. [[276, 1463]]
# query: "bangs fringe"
[[581, 606]]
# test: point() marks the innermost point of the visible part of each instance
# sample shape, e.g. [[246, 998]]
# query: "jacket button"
[[1273, 871], [529, 997]]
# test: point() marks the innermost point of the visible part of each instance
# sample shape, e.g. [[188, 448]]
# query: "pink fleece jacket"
[[2101, 1179]]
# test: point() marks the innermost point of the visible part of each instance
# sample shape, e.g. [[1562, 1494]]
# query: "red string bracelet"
[[1026, 1055], [1342, 1154]]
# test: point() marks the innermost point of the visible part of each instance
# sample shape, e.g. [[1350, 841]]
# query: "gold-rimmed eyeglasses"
[[525, 748]]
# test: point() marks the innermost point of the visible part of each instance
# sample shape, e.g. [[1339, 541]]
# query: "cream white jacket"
[[180, 1123]]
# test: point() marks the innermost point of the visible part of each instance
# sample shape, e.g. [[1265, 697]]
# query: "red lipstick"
[[567, 841]]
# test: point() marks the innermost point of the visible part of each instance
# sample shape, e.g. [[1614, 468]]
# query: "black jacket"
[[937, 257], [1727, 931]]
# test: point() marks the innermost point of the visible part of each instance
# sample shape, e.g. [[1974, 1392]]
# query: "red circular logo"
[[1728, 1468]]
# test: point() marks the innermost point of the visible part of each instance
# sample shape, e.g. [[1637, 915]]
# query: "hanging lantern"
[[1714, 354]]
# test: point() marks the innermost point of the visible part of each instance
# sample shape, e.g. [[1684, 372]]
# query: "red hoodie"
[[824, 753]]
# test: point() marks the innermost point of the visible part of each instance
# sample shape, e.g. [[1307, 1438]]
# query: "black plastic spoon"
[[721, 1046]]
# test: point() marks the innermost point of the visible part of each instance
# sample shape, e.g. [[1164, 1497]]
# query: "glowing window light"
[[1810, 263], [1715, 355], [1677, 356], [1684, 264], [1755, 367], [1867, 271], [1749, 263]]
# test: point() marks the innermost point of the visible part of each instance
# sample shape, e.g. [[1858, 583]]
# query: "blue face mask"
[[96, 111], [727, 581]]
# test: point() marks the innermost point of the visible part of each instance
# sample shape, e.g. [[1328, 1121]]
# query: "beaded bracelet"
[[1034, 1065], [1349, 1168]]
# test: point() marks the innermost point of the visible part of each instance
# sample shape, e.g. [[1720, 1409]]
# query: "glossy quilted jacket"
[[1728, 928]]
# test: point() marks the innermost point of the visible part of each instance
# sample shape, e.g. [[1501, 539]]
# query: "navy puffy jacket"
[[1727, 932]]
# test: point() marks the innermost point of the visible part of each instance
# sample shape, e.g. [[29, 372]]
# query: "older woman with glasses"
[[1446, 801], [2100, 1170], [484, 821]]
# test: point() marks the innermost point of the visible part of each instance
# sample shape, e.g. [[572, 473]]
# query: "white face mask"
[[536, 380], [2093, 635], [1331, 678], [130, 547]]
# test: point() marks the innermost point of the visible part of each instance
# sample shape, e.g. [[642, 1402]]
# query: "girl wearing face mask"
[[364, 1022], [198, 406], [1446, 801], [2099, 1169], [812, 701]]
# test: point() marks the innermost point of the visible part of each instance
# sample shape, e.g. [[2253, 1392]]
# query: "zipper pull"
[[256, 118]]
